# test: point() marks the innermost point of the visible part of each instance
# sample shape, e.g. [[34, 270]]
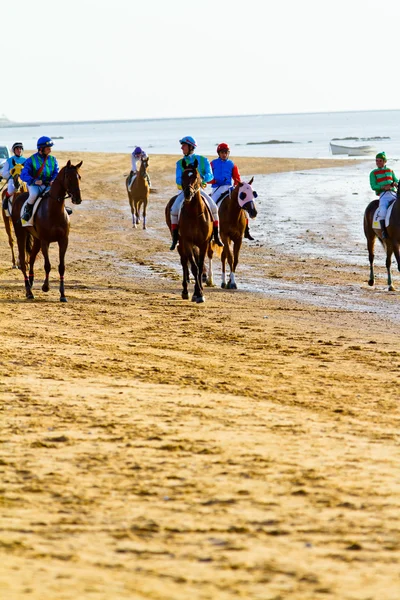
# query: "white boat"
[[352, 150]]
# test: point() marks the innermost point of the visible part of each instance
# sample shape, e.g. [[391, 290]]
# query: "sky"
[[80, 60]]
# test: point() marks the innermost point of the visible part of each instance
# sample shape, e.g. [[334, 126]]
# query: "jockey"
[[384, 182], [17, 149], [188, 144], [39, 172], [225, 174], [137, 155]]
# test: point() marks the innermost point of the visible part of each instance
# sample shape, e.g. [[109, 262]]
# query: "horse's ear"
[[13, 162], [78, 166], [183, 163], [68, 165], [195, 163], [251, 180], [240, 183]]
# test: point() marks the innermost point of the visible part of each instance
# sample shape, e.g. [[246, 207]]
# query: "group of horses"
[[52, 224]]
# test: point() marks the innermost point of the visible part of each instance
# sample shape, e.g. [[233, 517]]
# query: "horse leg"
[[237, 244], [63, 245], [144, 214], [7, 225], [21, 240], [199, 292], [185, 278], [223, 267], [229, 256], [196, 274], [389, 252], [47, 266], [371, 256], [396, 251], [32, 258]]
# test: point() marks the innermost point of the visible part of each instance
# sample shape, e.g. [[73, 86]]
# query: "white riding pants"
[[384, 200], [178, 202], [34, 191], [217, 192], [133, 177], [10, 186]]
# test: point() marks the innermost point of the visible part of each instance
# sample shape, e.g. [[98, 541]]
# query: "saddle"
[[222, 197], [375, 222]]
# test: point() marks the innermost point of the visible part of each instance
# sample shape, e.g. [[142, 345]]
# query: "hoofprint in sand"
[[152, 448]]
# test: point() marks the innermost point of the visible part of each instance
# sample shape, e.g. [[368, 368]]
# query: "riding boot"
[[175, 238], [5, 203], [384, 230], [27, 212], [247, 234], [216, 236]]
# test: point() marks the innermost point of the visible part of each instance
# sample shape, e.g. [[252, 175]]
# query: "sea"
[[305, 135]]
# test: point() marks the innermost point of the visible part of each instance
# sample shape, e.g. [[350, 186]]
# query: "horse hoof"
[[185, 296], [194, 298], [371, 282], [232, 286], [223, 285], [200, 300], [391, 288], [14, 267], [63, 299], [45, 288], [30, 296]]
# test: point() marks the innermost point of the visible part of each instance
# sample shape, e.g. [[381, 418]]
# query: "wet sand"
[[154, 448]]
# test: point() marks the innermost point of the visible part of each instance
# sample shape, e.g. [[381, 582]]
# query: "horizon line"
[[127, 120]]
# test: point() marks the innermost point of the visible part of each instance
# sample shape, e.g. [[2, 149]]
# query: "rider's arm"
[[206, 174], [55, 170], [373, 183], [235, 175], [27, 173], [178, 176]]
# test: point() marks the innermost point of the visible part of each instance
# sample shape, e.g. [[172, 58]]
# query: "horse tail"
[[213, 248], [29, 243]]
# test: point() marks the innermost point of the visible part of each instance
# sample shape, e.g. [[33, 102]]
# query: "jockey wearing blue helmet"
[[188, 144], [189, 140], [39, 172], [44, 142]]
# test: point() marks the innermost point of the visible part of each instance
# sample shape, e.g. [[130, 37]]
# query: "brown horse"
[[51, 224], [232, 209], [195, 230], [20, 188], [139, 194], [391, 244]]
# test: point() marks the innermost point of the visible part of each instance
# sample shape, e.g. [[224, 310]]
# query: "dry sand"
[[155, 448]]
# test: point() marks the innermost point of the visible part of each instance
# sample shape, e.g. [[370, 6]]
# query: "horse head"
[[144, 165], [191, 180], [15, 173], [71, 181], [246, 196]]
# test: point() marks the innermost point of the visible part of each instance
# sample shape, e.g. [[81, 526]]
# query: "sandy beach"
[[153, 448]]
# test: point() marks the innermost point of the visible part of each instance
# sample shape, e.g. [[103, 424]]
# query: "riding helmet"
[[44, 142], [137, 150], [381, 155], [223, 146], [188, 139], [17, 145]]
